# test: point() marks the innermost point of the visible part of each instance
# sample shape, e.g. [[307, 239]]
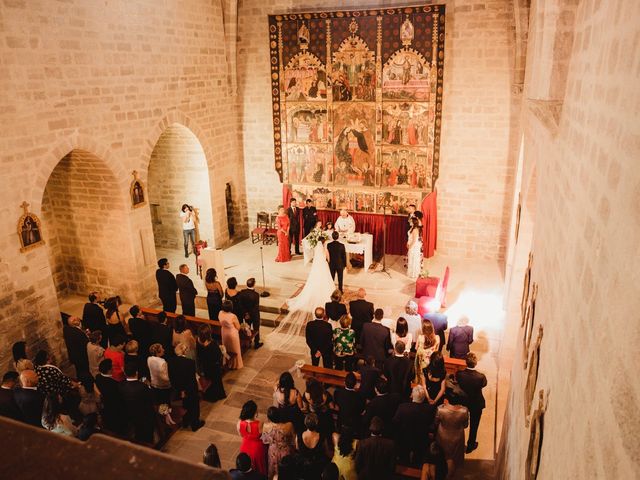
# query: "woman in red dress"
[[249, 429], [282, 224]]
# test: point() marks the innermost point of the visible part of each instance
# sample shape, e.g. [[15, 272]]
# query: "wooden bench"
[[410, 472]]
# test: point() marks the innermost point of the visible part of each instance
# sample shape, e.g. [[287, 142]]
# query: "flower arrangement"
[[316, 235]]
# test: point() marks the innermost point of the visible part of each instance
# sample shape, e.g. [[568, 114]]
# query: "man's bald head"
[[361, 293], [28, 378], [74, 321], [319, 312]]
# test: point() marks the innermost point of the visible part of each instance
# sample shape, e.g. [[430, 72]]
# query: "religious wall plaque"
[[528, 324], [525, 290], [532, 376], [536, 436], [137, 192], [29, 229]]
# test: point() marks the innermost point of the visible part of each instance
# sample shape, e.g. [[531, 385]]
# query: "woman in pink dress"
[[249, 429], [282, 224], [231, 335]]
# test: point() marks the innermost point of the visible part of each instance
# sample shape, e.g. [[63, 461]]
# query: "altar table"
[[364, 247]]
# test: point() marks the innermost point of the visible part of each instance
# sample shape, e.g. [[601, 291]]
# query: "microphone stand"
[[384, 245], [264, 293]]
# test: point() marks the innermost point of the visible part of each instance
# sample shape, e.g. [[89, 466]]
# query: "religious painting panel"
[[307, 123], [355, 150], [390, 203], [305, 79], [343, 198], [406, 76], [405, 123], [322, 198], [309, 163], [365, 202], [404, 167]]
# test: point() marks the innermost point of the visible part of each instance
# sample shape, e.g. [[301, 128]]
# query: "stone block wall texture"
[[585, 244], [107, 78], [178, 175], [478, 145]]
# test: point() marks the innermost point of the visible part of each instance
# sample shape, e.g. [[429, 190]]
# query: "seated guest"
[[319, 336], [182, 376], [249, 429], [132, 354], [350, 404], [440, 324], [183, 334], [460, 337], [112, 406], [399, 371], [344, 453], [335, 310], [280, 435], [414, 321], [426, 343], [24, 364], [230, 331], [159, 373], [8, 406], [434, 379], [161, 333], [209, 358], [93, 317], [29, 399], [95, 351], [76, 340], [383, 405], [375, 455], [116, 355], [411, 423], [211, 458], [402, 334], [375, 339], [361, 312], [311, 445], [55, 419], [137, 400], [50, 378], [344, 344], [140, 330], [244, 470], [472, 382], [451, 420], [369, 375]]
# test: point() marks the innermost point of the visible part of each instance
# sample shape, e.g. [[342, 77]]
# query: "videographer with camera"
[[188, 218]]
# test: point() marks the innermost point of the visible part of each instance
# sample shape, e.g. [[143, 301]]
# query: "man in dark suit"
[[399, 371], [411, 424], [460, 337], [250, 305], [76, 341], [244, 470], [161, 333], [337, 258], [319, 336], [293, 212], [112, 406], [187, 291], [413, 213], [167, 286], [141, 331], [369, 375], [472, 382], [375, 457], [93, 318], [138, 405], [334, 309], [383, 405], [375, 339], [309, 217], [350, 404], [8, 406], [182, 374], [440, 324], [29, 399], [361, 313]]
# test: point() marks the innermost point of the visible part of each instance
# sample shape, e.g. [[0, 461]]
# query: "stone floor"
[[475, 290]]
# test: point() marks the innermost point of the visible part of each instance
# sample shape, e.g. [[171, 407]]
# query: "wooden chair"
[[271, 232], [262, 223]]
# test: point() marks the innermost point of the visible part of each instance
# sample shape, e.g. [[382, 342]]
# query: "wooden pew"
[[410, 472]]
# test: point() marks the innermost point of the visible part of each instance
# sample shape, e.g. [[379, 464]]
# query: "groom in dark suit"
[[337, 258], [293, 212]]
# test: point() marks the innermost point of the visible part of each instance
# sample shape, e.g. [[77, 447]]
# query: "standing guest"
[[440, 324], [214, 293], [319, 336], [344, 344], [460, 337], [317, 400], [250, 302], [231, 294], [76, 341], [383, 405], [350, 404], [50, 377], [249, 430], [182, 334], [344, 454], [369, 375], [55, 419], [141, 330], [210, 365], [112, 405], [29, 398], [399, 371], [402, 334], [288, 400], [375, 339], [451, 419], [116, 355], [115, 323], [282, 225], [337, 258], [375, 455], [361, 312], [414, 250], [434, 379], [159, 373], [311, 445], [138, 405], [182, 375], [161, 333], [345, 224], [293, 212], [211, 457], [413, 319], [19, 352], [8, 406], [89, 397], [188, 219], [230, 331], [411, 423], [132, 355], [24, 364], [309, 217], [187, 291], [93, 316], [167, 286], [280, 435], [411, 214], [472, 382], [335, 309], [244, 470], [95, 352], [426, 343]]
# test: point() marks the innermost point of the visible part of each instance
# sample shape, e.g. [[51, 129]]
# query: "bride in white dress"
[[414, 250], [315, 293]]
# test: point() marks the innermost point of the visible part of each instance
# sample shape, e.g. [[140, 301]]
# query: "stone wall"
[[107, 78], [584, 149], [478, 141]]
